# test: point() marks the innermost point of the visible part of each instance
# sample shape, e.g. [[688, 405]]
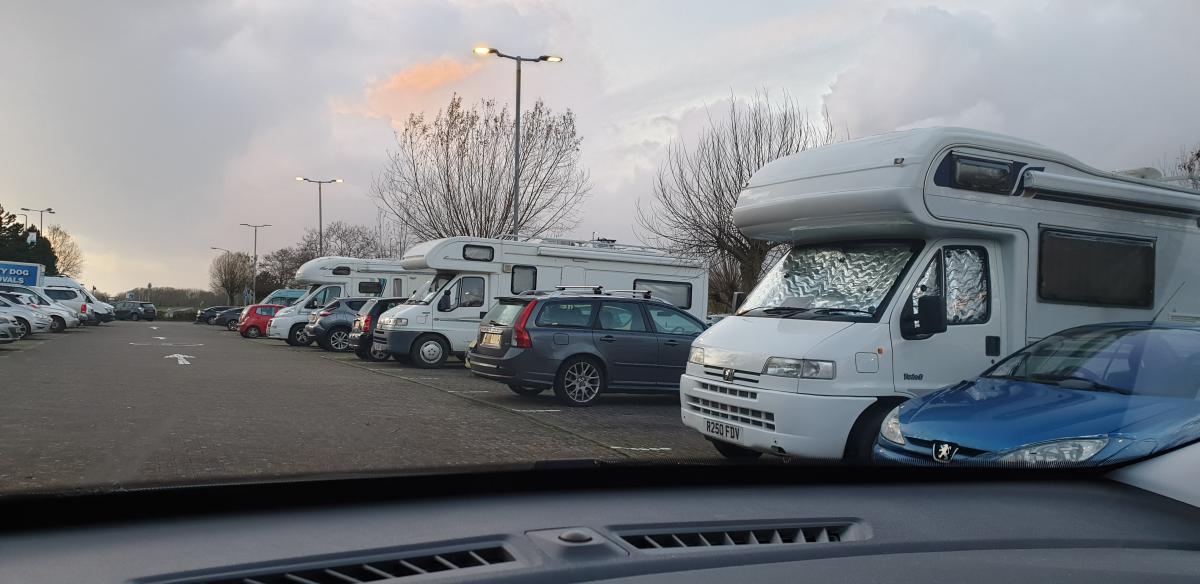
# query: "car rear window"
[[147, 305], [355, 304], [505, 313], [61, 294], [566, 314]]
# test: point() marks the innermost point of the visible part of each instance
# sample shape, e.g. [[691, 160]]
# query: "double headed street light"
[[41, 216], [484, 51], [254, 276], [320, 233]]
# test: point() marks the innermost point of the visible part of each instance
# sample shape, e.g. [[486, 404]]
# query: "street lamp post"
[[254, 275], [221, 249], [517, 124], [41, 216], [26, 220], [320, 231]]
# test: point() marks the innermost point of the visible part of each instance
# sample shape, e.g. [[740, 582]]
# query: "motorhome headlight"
[[1068, 451], [890, 430], [696, 355], [802, 368]]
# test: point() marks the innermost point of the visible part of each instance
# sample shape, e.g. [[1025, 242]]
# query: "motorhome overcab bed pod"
[[918, 259], [330, 278], [472, 272]]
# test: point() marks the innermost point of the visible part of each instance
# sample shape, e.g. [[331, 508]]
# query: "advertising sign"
[[22, 273]]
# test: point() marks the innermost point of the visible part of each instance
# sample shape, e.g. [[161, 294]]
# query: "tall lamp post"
[[517, 129], [41, 216], [320, 232], [26, 220], [254, 276], [221, 249]]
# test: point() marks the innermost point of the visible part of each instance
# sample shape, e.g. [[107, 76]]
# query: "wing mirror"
[[929, 320], [444, 302]]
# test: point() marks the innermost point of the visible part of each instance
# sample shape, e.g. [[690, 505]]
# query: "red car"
[[254, 321]]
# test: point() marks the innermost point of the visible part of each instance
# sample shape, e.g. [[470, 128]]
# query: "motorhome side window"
[[523, 278], [370, 287], [960, 275], [478, 253], [677, 293], [1095, 269]]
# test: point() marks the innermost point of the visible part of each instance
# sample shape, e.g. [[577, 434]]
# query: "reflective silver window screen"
[[855, 276], [966, 285]]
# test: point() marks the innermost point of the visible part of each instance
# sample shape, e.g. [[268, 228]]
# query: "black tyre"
[[429, 351], [861, 442], [252, 333], [212, 320], [580, 381], [370, 353], [25, 330], [231, 325], [297, 337], [337, 339], [525, 391], [734, 452], [58, 325]]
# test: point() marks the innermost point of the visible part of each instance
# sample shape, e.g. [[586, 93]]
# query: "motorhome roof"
[[915, 148], [430, 253]]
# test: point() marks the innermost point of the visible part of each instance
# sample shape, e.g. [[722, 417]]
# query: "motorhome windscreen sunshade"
[[1094, 269]]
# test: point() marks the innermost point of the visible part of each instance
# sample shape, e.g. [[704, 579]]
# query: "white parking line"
[[640, 449], [524, 411], [468, 391]]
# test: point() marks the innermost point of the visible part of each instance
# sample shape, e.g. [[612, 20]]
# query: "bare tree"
[[231, 273], [1188, 164], [697, 187], [453, 175], [70, 255]]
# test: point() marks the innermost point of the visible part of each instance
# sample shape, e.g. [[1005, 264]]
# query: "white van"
[[103, 311], [918, 259], [472, 272], [330, 278]]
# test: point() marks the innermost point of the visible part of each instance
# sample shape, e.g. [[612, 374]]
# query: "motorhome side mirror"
[[932, 314], [444, 301]]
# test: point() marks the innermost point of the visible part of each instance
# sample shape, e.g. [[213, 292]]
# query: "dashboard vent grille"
[[776, 535], [376, 570]]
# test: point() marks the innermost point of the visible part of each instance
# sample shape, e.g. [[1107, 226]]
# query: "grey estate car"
[[582, 345], [330, 326]]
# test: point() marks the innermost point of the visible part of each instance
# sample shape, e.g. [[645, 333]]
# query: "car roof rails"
[[590, 288], [643, 293]]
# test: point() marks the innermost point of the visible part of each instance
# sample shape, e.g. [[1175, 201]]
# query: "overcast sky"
[[155, 128]]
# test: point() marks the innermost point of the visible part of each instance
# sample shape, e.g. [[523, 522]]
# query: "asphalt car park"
[[159, 402]]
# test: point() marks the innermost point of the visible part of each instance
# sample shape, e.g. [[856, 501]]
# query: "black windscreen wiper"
[[1079, 382], [840, 310]]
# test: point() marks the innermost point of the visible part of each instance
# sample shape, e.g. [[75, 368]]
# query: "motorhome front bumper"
[[398, 342], [784, 423]]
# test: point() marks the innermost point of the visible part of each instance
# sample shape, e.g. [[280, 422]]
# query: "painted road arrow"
[[160, 338], [181, 359]]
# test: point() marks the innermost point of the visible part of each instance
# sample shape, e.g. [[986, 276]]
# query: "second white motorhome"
[[472, 272], [919, 259], [330, 278]]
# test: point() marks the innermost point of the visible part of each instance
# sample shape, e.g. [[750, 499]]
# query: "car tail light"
[[366, 322], [324, 313], [520, 335], [83, 308]]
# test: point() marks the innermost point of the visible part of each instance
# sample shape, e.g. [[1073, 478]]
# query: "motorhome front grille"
[[733, 391], [732, 374], [724, 411]]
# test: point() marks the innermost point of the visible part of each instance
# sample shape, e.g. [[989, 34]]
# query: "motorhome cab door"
[[964, 274], [322, 297], [458, 310]]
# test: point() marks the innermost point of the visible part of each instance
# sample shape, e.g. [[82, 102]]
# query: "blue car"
[[1091, 395]]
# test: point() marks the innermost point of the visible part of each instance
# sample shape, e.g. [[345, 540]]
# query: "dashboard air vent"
[[748, 536], [374, 570]]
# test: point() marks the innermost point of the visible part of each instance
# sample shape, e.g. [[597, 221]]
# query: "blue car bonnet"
[[1000, 414]]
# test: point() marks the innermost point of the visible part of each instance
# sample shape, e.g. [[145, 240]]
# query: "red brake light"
[[83, 308], [324, 313], [520, 337], [366, 322]]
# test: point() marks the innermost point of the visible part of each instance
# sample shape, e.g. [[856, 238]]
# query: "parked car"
[[71, 299], [134, 310], [583, 345], [330, 326], [209, 315], [1090, 395], [61, 317], [229, 318], [364, 326], [253, 322], [42, 298], [29, 321], [9, 330]]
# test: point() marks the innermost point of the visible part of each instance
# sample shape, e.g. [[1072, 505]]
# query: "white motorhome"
[[472, 272], [918, 259], [330, 278]]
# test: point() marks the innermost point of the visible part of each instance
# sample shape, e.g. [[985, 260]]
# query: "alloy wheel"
[[339, 340], [582, 382]]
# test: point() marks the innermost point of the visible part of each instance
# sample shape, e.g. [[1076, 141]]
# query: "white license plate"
[[378, 346], [490, 340], [723, 430]]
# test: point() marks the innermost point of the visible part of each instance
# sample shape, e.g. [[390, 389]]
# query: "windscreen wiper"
[[841, 310], [1080, 382]]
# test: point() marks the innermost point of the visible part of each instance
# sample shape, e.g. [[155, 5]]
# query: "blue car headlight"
[[1069, 451]]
